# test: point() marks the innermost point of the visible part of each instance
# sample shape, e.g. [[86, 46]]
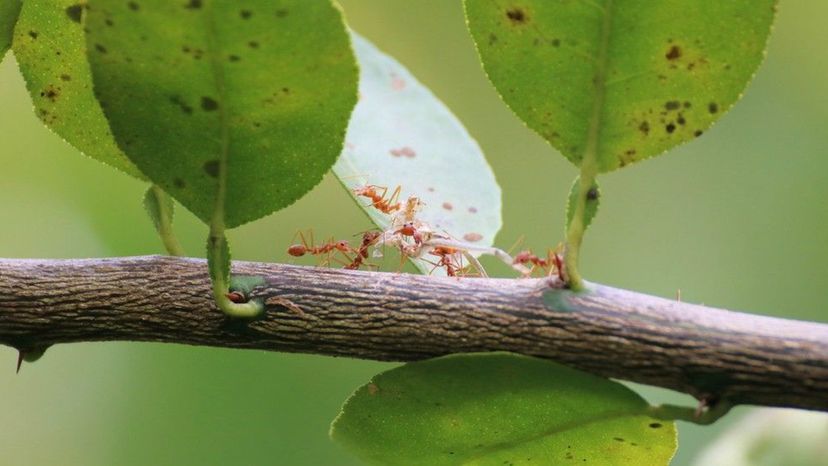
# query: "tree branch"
[[709, 353]]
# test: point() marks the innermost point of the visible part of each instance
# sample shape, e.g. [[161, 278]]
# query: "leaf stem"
[[589, 163], [701, 415], [218, 251], [165, 229]]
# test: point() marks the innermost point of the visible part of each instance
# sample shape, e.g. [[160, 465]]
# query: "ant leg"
[[395, 195]]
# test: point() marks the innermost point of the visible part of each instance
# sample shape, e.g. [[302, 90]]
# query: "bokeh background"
[[735, 219]]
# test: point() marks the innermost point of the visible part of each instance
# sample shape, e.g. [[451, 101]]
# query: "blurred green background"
[[736, 219]]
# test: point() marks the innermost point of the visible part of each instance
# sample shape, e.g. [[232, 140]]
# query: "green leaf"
[[9, 10], [609, 82], [592, 201], [402, 135], [493, 409], [50, 50], [236, 107]]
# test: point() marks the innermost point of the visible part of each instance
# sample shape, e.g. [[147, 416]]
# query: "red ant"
[[368, 239], [299, 250], [378, 194], [446, 254], [408, 229], [553, 259]]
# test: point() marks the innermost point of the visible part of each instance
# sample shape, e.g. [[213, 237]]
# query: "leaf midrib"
[[573, 425], [217, 221]]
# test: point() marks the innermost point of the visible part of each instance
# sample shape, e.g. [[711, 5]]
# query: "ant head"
[[342, 246], [523, 256], [408, 229], [297, 250]]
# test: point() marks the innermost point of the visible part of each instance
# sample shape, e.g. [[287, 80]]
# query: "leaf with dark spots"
[[281, 13], [100, 48], [713, 107], [200, 112], [610, 74], [245, 14], [493, 408], [133, 6], [33, 34], [57, 77], [253, 44]]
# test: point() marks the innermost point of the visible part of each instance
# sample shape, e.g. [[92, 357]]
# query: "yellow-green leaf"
[[495, 409], [611, 82], [51, 52]]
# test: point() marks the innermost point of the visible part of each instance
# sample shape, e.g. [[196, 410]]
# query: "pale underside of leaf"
[[400, 134], [619, 80], [496, 408]]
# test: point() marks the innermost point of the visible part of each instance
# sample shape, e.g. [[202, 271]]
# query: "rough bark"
[[710, 353]]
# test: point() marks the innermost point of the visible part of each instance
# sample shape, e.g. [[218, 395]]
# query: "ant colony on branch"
[[414, 238]]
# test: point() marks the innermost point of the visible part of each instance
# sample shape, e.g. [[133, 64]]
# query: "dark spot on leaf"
[[285, 90], [51, 93], [492, 38], [253, 44], [179, 183], [65, 77], [281, 13], [74, 12], [618, 439], [644, 127], [193, 5], [211, 167], [516, 15], [176, 100], [256, 124], [592, 194], [208, 104], [33, 34], [234, 58], [472, 237], [556, 42], [404, 151], [185, 49], [109, 22], [672, 105], [681, 120], [133, 6], [655, 425], [670, 127], [712, 107], [673, 53], [100, 48], [687, 104], [245, 14], [698, 133]]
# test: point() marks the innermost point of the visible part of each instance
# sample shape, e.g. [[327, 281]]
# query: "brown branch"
[[710, 353]]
